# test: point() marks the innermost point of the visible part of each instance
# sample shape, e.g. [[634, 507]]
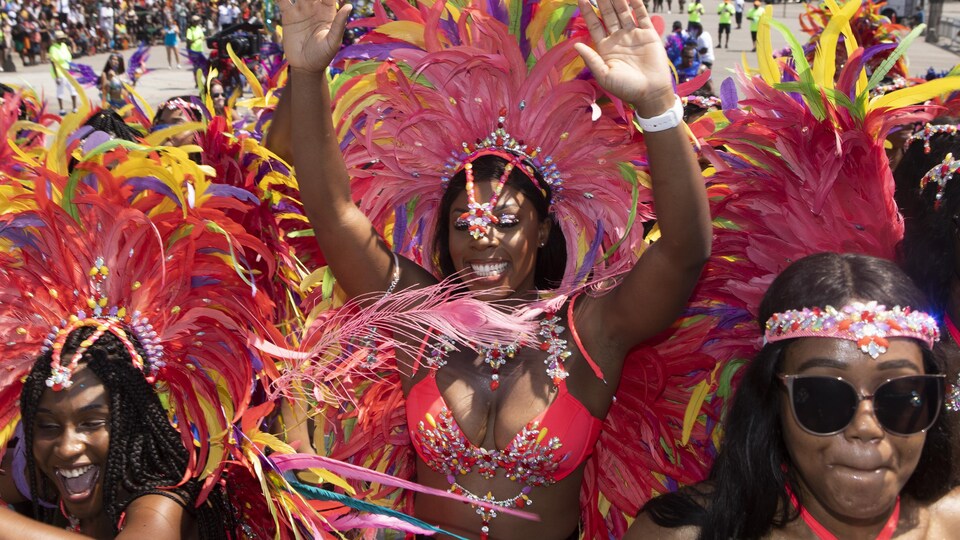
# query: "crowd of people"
[[484, 271], [29, 27]]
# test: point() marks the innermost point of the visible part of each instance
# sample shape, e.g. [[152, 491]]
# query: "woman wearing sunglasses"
[[835, 429]]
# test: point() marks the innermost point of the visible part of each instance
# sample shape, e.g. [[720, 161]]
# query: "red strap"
[[952, 330], [576, 339], [823, 534]]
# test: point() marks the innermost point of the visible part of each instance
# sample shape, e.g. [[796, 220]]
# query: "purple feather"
[[95, 139], [223, 190], [84, 74], [199, 61], [417, 240], [138, 62], [525, 16], [148, 183], [728, 94], [451, 30], [80, 133], [498, 11], [590, 258], [368, 51], [399, 226]]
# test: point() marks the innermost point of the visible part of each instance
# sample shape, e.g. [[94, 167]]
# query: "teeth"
[[73, 473], [488, 269]]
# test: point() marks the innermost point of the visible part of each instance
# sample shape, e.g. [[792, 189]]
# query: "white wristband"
[[669, 119]]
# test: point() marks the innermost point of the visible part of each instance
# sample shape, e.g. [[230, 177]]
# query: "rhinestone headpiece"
[[928, 132], [870, 325], [940, 174], [704, 102], [500, 142], [113, 320]]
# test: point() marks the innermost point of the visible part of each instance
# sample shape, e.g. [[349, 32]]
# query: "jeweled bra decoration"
[[531, 457]]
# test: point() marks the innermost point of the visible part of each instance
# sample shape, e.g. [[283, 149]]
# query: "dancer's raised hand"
[[627, 59], [312, 32]]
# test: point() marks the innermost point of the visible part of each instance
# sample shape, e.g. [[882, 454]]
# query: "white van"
[[900, 11]]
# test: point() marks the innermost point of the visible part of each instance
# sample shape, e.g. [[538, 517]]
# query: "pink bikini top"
[[550, 447]]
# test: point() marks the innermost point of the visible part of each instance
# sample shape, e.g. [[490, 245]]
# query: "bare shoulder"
[[644, 528], [160, 517], [944, 514]]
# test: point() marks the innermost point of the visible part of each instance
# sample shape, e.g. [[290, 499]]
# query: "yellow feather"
[[241, 66], [769, 69], [915, 94], [356, 99], [407, 31], [157, 138], [7, 432], [825, 61]]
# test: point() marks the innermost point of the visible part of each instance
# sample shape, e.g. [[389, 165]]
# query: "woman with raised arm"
[[499, 163]]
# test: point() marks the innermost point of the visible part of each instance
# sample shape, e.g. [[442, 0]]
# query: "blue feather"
[[320, 494]]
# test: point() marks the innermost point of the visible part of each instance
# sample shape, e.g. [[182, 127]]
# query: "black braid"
[[145, 453]]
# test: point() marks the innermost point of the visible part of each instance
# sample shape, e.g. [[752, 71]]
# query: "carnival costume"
[[137, 241], [422, 95], [797, 166]]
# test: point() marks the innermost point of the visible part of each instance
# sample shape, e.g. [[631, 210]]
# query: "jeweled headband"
[[870, 325]]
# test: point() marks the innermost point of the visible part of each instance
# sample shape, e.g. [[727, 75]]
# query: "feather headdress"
[[420, 95], [97, 248], [797, 166]]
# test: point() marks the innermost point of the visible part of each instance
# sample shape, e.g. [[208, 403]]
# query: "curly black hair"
[[145, 456]]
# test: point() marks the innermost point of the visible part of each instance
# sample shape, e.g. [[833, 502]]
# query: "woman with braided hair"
[[102, 458]]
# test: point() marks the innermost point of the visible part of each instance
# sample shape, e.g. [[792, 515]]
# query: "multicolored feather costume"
[[138, 236], [796, 166]]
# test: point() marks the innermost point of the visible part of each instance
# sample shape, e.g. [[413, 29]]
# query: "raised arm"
[[361, 261], [630, 62]]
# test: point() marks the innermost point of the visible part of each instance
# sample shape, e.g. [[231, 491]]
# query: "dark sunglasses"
[[219, 94], [826, 405]]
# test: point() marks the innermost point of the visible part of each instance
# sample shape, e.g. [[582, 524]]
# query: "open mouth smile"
[[487, 270], [78, 482]]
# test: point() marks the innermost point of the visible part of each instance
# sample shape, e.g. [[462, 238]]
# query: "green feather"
[[891, 60], [806, 87]]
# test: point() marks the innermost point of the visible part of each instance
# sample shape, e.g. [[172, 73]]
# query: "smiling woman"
[[104, 448], [835, 428], [485, 154]]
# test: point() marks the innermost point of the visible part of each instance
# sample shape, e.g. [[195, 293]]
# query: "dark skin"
[[629, 61], [72, 429], [850, 481]]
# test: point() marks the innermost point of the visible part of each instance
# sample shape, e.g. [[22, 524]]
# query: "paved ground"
[[163, 82]]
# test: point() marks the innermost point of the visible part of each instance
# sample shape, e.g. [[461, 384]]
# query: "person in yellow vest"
[[754, 17], [60, 57], [726, 11], [195, 35], [695, 12]]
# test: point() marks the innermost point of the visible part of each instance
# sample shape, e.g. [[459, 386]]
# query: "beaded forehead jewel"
[[870, 325], [940, 174], [412, 113]]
